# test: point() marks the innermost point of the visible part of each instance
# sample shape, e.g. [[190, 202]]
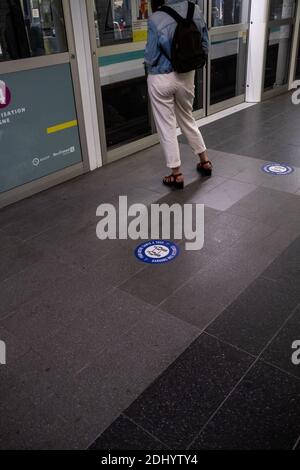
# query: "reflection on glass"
[[30, 28], [198, 103], [126, 111], [282, 9], [278, 56], [113, 20], [227, 12], [228, 68]]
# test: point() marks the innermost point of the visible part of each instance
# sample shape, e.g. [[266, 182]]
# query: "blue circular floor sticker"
[[157, 252], [278, 169]]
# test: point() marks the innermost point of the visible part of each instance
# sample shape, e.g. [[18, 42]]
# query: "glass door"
[[200, 77], [118, 31], [229, 25], [279, 46]]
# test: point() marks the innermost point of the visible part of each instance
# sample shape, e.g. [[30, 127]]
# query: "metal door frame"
[[221, 31], [267, 94], [28, 189], [294, 77]]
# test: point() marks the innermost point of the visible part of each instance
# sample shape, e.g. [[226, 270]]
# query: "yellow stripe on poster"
[[62, 127], [140, 35]]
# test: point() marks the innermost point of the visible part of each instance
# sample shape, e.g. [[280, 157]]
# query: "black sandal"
[[205, 171], [171, 181]]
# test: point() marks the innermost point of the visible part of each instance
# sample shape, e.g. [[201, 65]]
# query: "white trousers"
[[172, 97]]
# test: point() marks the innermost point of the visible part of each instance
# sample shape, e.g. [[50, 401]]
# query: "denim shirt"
[[161, 29]]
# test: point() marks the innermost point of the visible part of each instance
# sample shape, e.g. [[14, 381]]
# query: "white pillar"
[[86, 78], [257, 39]]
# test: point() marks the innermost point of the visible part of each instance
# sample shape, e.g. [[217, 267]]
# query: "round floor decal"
[[157, 252], [278, 169]]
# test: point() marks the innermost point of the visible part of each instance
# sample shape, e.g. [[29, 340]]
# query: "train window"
[[31, 28], [282, 9], [113, 21], [278, 56], [227, 12]]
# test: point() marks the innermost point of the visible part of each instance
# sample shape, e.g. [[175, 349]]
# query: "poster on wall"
[[140, 15], [38, 125]]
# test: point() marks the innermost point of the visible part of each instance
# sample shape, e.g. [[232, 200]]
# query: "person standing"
[[177, 45]]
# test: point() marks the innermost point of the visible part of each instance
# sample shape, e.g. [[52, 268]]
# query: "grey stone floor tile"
[[44, 315], [8, 244], [36, 221], [289, 213], [156, 283], [228, 231], [227, 194], [256, 315], [119, 375], [83, 249], [23, 209], [287, 265], [194, 302], [120, 265], [123, 434], [24, 384], [283, 352], [255, 175], [40, 431], [17, 259], [257, 249], [263, 204], [31, 282], [194, 192], [15, 347], [28, 432], [227, 165], [285, 153], [260, 149], [165, 334], [181, 401], [261, 414], [287, 183], [94, 331]]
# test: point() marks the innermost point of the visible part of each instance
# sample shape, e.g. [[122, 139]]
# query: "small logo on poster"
[[157, 252], [36, 162], [5, 95]]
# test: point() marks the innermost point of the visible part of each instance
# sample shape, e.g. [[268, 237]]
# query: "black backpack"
[[187, 52]]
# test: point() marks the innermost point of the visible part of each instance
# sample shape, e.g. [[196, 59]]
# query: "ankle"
[[203, 157]]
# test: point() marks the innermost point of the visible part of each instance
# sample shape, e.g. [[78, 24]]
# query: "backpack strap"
[[178, 18], [170, 11], [191, 11]]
